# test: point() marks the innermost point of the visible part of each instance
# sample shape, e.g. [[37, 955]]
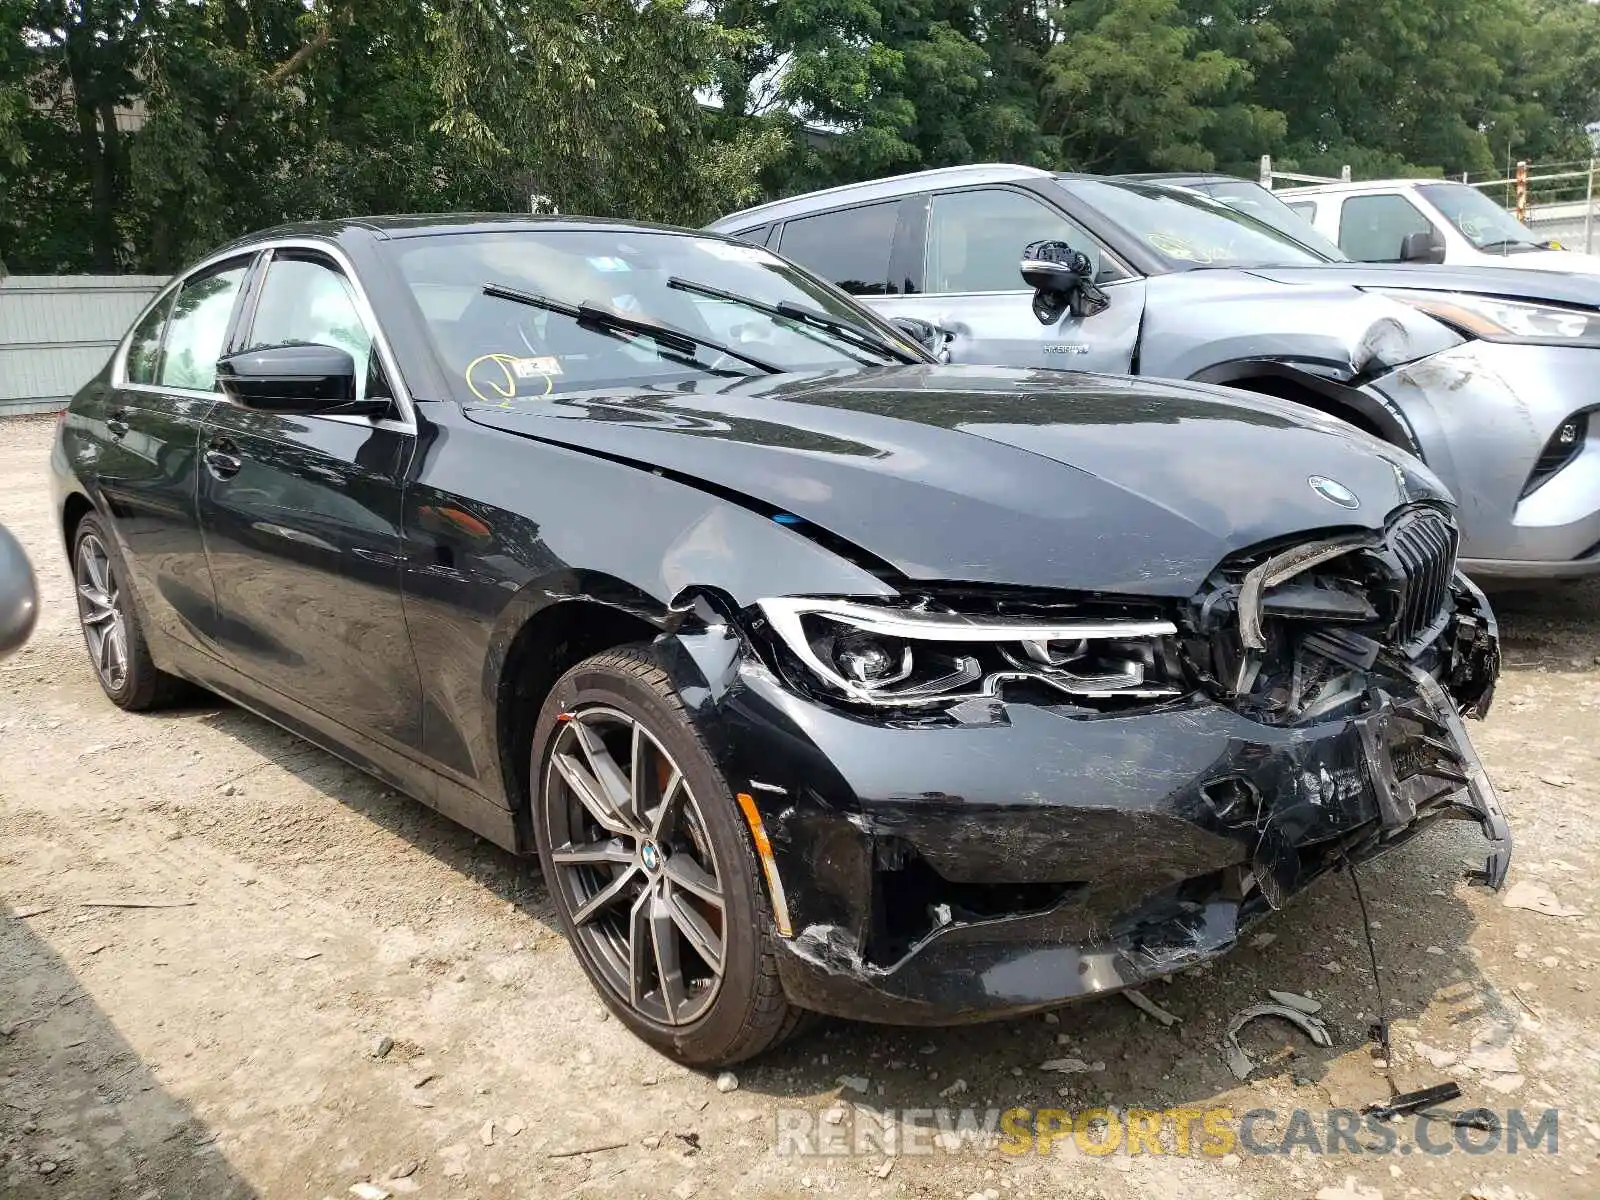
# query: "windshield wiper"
[[1507, 244], [605, 321], [784, 310]]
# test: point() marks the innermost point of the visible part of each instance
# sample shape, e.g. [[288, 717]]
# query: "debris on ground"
[[1070, 1066], [854, 1083], [1295, 1000], [1241, 1063], [1535, 897], [369, 1191], [1149, 1007], [727, 1081], [381, 1047]]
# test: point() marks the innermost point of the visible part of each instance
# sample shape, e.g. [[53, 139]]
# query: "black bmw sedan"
[[819, 676]]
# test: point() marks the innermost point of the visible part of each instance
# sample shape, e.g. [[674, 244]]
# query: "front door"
[[148, 466], [972, 287], [301, 521]]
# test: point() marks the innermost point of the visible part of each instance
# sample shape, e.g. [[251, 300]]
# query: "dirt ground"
[[229, 1045]]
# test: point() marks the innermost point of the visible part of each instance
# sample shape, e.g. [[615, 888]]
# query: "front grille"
[[1424, 543]]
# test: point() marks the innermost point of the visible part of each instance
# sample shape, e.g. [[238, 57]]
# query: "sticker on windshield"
[[497, 378], [533, 368], [733, 252]]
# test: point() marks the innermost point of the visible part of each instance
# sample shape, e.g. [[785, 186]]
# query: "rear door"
[[969, 283], [163, 388], [301, 519]]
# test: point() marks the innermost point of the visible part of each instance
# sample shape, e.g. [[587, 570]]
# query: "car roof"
[[1180, 177], [876, 189], [1363, 185], [412, 225]]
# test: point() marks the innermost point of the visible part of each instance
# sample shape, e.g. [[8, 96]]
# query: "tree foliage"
[[136, 133]]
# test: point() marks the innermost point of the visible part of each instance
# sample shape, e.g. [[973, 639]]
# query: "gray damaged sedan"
[[1494, 392]]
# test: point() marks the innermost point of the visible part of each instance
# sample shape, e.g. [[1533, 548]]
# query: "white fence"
[[56, 331]]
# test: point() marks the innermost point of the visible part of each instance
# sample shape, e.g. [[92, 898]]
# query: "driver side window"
[[975, 240], [305, 301]]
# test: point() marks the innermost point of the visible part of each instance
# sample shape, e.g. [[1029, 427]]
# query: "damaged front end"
[[978, 802], [1377, 629]]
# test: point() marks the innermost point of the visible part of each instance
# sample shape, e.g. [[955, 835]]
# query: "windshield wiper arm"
[[677, 340], [1507, 243], [848, 331]]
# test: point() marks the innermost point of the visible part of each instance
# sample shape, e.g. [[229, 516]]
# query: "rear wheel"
[[655, 882], [111, 630]]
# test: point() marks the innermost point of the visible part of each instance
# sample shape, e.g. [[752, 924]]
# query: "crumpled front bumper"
[[1048, 855]]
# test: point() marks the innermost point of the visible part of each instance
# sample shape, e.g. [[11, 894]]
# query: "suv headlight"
[[1497, 320], [878, 655]]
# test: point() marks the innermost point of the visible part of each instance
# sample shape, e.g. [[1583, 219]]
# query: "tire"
[[619, 901], [109, 618]]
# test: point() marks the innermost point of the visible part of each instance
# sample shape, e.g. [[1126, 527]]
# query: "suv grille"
[[1424, 543]]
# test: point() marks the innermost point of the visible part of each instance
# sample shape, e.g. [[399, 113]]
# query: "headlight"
[[879, 655], [1505, 320]]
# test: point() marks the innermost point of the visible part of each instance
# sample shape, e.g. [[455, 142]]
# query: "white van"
[[1427, 221]]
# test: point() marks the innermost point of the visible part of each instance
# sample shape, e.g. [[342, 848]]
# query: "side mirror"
[[926, 334], [1062, 278], [19, 594], [305, 378], [1423, 247]]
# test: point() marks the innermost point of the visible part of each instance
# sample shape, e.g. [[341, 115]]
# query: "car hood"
[[1027, 478], [1550, 286]]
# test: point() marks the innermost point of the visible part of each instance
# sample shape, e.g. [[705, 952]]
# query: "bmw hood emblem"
[[1334, 492]]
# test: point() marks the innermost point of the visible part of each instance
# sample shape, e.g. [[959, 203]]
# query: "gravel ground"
[[345, 988]]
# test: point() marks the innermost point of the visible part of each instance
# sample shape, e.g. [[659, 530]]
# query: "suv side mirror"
[[1062, 278], [304, 378], [926, 334], [19, 594], [1422, 247]]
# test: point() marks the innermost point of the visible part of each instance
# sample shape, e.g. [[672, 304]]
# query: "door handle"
[[117, 424], [221, 460]]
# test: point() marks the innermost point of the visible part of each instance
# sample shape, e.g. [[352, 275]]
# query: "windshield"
[[1261, 204], [1188, 231], [496, 348], [1479, 219]]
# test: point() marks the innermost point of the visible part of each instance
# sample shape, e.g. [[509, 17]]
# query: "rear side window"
[[849, 248], [1371, 228], [976, 239], [144, 348], [1305, 208], [199, 325]]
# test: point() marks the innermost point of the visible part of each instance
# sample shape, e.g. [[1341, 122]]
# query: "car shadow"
[[81, 1114], [1314, 947]]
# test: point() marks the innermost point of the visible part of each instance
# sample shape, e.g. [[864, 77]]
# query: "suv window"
[[975, 240], [306, 300], [849, 248], [1371, 228], [199, 325], [144, 348]]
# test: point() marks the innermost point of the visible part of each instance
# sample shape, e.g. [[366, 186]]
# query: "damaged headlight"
[[878, 655], [1497, 320]]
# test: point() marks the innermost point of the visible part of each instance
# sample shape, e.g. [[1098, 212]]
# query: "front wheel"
[[655, 881]]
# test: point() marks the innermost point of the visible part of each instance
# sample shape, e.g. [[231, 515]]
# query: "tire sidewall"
[[745, 918]]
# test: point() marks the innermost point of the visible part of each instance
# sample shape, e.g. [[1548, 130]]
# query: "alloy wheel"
[[101, 613], [635, 868]]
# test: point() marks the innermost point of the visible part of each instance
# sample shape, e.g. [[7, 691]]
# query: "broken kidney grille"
[[1302, 633]]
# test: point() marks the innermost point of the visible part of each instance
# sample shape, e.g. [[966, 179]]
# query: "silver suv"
[[1125, 276]]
